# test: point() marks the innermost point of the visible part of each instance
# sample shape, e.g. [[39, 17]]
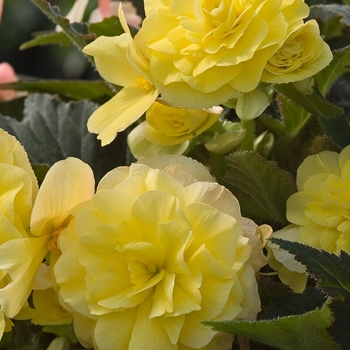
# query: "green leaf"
[[261, 187], [330, 270], [315, 103], [330, 116], [63, 330], [52, 130], [337, 129], [109, 27], [339, 330], [302, 332], [59, 38], [294, 117], [72, 89], [340, 10], [338, 66], [278, 300]]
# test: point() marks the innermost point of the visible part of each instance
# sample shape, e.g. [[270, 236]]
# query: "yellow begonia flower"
[[153, 253], [203, 52], [18, 189], [169, 126], [66, 184], [301, 56], [319, 211], [321, 206], [168, 129], [120, 62], [141, 147]]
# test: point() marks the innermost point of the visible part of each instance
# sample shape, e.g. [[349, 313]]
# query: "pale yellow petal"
[[120, 112], [16, 196], [157, 337], [193, 334], [21, 259], [49, 310], [111, 60], [250, 305], [216, 229], [250, 230], [13, 153], [142, 148], [324, 162], [83, 329], [163, 161], [121, 335], [214, 195], [67, 183], [69, 275], [289, 233]]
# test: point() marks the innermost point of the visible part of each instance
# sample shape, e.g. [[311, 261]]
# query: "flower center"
[[144, 264], [53, 245], [143, 84]]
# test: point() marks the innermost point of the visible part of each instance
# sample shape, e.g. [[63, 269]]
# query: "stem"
[[268, 274], [248, 142]]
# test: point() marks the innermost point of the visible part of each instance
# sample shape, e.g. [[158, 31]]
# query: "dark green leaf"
[[52, 130], [315, 103], [330, 270], [272, 124], [339, 330], [109, 27], [340, 10], [302, 332], [72, 89], [290, 303], [293, 116], [338, 66], [337, 129], [260, 186], [47, 39]]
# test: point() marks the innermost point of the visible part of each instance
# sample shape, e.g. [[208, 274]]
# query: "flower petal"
[[120, 112], [111, 59], [21, 259], [68, 183]]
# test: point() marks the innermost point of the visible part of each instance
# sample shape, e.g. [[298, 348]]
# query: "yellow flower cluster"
[[319, 212], [158, 248], [199, 54]]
